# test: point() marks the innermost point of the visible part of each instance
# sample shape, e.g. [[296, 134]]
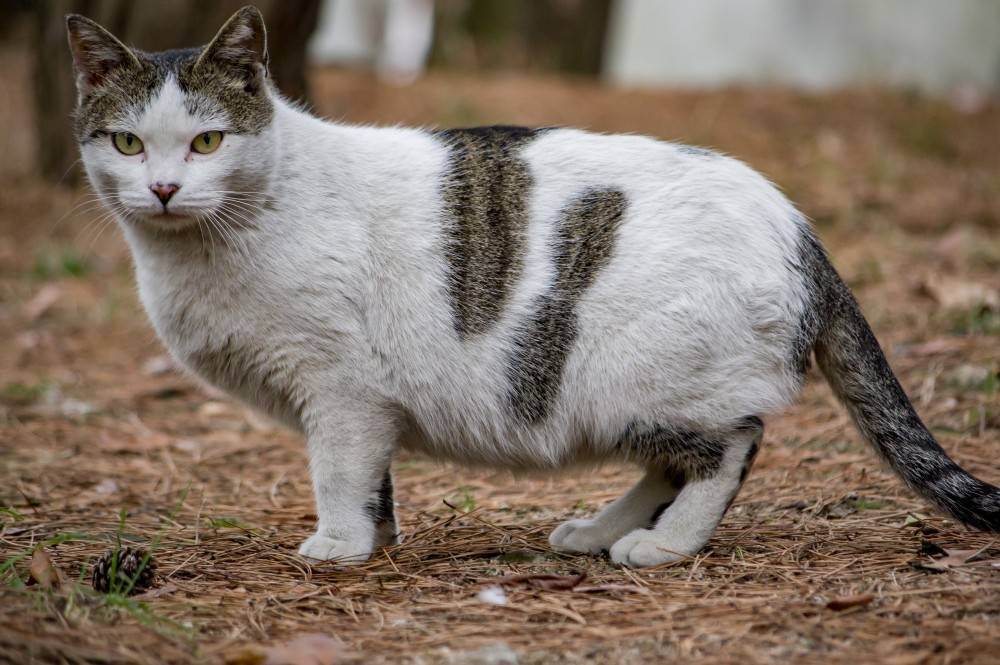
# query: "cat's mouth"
[[168, 218]]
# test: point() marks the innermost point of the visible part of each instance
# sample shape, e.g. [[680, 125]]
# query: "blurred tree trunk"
[[152, 25], [568, 35], [289, 25], [541, 35], [55, 92]]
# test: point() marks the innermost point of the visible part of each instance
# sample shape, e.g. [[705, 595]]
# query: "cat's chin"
[[167, 221]]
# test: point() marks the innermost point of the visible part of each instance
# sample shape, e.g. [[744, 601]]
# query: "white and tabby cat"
[[527, 299]]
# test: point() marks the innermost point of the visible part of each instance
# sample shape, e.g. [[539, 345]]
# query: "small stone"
[[499, 653], [969, 376], [492, 595], [106, 486]]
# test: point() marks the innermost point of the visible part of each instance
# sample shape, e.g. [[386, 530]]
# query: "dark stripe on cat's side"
[[584, 242], [485, 194]]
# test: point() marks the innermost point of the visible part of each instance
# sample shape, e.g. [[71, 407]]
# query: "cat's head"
[[171, 138]]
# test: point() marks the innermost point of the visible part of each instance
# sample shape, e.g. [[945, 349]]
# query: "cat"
[[528, 299]]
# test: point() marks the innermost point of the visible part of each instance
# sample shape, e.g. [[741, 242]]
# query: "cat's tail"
[[853, 362]]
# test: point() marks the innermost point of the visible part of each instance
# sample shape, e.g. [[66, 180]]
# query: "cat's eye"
[[127, 143], [207, 142]]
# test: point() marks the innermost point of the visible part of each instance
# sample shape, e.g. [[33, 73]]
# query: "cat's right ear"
[[96, 53], [240, 48]]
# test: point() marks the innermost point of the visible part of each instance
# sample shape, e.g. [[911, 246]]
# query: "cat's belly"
[[456, 434]]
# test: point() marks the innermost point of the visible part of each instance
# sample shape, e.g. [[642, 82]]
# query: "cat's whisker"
[[244, 219], [97, 227], [89, 227], [215, 229], [210, 232], [227, 224], [106, 223], [225, 229], [68, 169], [90, 200]]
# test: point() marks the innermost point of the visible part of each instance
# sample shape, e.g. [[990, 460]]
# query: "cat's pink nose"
[[164, 192]]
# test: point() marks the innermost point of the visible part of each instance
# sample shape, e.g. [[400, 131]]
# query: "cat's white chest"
[[212, 324]]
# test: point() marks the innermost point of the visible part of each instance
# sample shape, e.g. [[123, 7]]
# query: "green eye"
[[206, 142], [127, 143]]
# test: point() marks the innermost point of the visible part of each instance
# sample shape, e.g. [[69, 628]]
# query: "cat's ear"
[[96, 53], [240, 48]]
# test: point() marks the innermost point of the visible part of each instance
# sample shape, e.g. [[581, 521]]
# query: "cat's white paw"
[[322, 548], [645, 547], [586, 536]]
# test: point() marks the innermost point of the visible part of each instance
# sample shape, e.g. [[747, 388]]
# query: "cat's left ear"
[[240, 48], [97, 54]]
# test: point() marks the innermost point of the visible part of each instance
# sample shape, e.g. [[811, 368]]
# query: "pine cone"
[[127, 569]]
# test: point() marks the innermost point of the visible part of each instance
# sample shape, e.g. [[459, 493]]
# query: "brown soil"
[[823, 558]]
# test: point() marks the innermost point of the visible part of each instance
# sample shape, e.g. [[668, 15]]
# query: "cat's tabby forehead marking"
[[209, 92], [485, 194], [585, 240]]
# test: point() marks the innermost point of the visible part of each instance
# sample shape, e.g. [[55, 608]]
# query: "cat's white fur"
[[336, 302]]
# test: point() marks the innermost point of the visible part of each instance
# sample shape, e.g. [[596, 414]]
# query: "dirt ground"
[[824, 557]]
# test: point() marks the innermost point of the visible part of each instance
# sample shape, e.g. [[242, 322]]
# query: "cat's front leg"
[[350, 450]]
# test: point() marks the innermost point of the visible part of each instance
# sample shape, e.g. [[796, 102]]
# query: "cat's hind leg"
[[639, 507], [687, 524]]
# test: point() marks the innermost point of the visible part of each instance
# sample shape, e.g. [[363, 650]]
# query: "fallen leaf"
[[259, 422], [43, 571], [610, 588], [164, 590], [46, 297], [951, 559], [158, 365], [309, 649], [953, 293], [847, 602], [544, 581], [939, 346], [968, 375], [245, 656], [213, 409]]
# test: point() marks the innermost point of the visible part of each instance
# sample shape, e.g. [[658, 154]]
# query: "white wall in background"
[[347, 32], [935, 45], [392, 35]]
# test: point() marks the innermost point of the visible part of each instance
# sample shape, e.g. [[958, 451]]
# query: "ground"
[[824, 557]]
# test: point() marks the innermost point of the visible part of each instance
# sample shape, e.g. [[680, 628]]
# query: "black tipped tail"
[[853, 362]]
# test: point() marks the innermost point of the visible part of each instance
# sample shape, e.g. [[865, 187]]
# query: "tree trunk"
[[541, 35]]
